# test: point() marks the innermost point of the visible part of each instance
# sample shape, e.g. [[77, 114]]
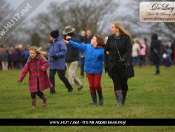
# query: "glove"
[[121, 61], [54, 56]]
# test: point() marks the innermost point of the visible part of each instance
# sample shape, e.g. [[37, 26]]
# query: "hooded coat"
[[155, 44]]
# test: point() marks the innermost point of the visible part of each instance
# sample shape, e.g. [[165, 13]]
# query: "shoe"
[[79, 89], [71, 90], [52, 92]]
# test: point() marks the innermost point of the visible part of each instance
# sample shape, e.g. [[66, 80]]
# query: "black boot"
[[100, 98], [94, 98], [52, 91], [119, 98], [124, 93], [157, 72]]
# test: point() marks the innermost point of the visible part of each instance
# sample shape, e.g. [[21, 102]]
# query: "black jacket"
[[72, 53], [125, 48]]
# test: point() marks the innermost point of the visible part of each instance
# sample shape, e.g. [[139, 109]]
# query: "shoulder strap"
[[117, 49]]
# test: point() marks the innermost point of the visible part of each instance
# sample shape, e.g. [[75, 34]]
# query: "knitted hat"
[[55, 33]]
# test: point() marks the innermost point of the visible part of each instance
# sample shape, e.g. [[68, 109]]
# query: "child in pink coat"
[[36, 65]]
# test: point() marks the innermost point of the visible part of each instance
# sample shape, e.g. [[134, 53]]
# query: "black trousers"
[[82, 67], [119, 82], [39, 93], [61, 75]]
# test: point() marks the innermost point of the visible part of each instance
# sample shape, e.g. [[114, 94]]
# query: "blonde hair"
[[38, 51], [121, 29]]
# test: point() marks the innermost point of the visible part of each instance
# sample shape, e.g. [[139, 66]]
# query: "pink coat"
[[38, 79]]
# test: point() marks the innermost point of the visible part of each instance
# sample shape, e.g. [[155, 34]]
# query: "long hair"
[[38, 51], [121, 29], [100, 40]]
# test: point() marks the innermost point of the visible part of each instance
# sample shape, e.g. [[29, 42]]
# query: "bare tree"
[[5, 11], [82, 15]]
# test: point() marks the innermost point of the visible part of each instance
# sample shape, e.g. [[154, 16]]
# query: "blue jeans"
[[61, 75]]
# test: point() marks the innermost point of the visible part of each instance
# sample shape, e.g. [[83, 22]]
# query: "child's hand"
[[65, 41], [19, 81]]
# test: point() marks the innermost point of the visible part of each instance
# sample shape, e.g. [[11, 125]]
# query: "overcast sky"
[[42, 7]]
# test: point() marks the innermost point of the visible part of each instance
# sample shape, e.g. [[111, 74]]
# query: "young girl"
[[94, 59], [38, 79]]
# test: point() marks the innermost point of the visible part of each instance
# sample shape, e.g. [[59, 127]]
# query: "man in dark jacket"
[[155, 56], [72, 57]]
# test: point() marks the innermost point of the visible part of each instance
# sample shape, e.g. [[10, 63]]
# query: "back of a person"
[[26, 54], [72, 53], [135, 49], [143, 49], [94, 59]]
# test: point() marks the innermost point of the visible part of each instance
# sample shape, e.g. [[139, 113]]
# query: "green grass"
[[149, 96]]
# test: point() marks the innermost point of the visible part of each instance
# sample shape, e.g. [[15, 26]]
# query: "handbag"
[[126, 63]]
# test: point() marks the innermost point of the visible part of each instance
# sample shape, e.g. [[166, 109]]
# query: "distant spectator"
[[25, 55], [173, 50], [14, 57], [4, 59], [143, 53], [155, 52]]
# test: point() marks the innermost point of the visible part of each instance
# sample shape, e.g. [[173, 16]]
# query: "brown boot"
[[34, 102], [44, 100]]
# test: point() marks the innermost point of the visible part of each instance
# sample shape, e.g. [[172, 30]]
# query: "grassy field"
[[149, 96]]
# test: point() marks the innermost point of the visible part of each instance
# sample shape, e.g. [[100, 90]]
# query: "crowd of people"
[[117, 54]]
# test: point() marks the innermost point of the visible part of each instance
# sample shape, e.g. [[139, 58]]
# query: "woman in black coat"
[[119, 41], [156, 50]]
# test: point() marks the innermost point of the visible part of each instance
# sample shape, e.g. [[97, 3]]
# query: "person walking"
[[117, 60], [72, 57], [38, 79], [155, 56], [93, 66], [135, 53], [4, 59], [56, 57]]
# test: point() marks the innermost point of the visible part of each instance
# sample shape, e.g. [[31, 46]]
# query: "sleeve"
[[128, 52], [44, 63], [24, 72], [62, 50], [81, 47]]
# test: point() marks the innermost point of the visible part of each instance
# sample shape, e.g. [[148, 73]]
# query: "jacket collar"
[[34, 59], [57, 39], [118, 37]]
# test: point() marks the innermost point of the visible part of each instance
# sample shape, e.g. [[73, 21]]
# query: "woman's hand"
[[107, 52], [65, 41]]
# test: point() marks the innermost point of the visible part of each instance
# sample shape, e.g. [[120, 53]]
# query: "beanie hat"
[[55, 33]]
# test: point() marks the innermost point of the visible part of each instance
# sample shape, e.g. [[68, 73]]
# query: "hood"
[[154, 36]]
